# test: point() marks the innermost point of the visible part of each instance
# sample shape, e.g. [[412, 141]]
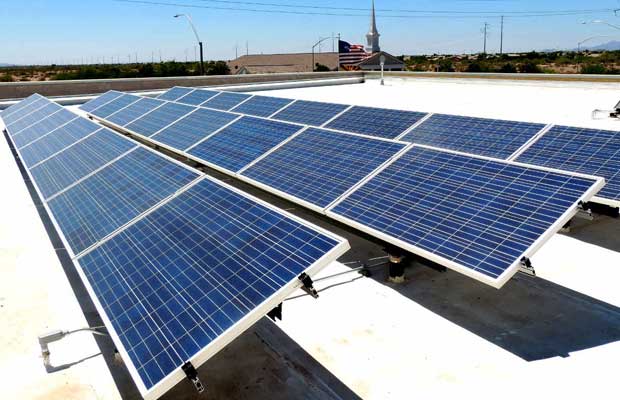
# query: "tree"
[[445, 66], [508, 68], [597, 69], [530, 68], [321, 68]]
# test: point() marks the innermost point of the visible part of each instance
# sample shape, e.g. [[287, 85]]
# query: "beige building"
[[274, 63]]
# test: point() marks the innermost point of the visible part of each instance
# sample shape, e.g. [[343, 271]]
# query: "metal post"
[[382, 63], [501, 40], [202, 64]]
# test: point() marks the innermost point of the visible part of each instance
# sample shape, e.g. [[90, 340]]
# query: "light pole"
[[189, 19], [598, 21], [587, 40], [313, 47]]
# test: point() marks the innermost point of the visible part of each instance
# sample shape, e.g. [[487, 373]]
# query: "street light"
[[189, 19], [587, 40], [598, 21], [314, 47]]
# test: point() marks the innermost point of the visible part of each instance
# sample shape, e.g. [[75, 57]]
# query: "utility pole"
[[501, 38], [247, 48], [485, 31]]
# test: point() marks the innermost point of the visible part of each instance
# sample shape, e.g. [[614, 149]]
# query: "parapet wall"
[[19, 90]]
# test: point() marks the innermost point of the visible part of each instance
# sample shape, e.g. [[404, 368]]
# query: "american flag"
[[351, 54]]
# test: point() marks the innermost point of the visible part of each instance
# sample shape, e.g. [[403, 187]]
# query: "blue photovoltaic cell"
[[134, 111], [57, 140], [589, 151], [198, 125], [319, 166], [110, 108], [112, 197], [174, 93], [159, 118], [480, 136], [380, 122], [176, 280], [21, 109], [261, 106], [478, 213], [79, 160], [226, 100], [36, 116], [239, 144], [197, 97], [99, 101], [42, 128], [310, 112]]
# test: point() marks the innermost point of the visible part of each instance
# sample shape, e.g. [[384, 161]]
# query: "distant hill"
[[2, 65], [609, 46]]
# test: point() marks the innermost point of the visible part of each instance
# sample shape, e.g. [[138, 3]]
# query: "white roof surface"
[[383, 341]]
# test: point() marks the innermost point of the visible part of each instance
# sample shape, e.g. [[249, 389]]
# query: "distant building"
[[373, 63], [372, 37], [276, 63], [302, 62]]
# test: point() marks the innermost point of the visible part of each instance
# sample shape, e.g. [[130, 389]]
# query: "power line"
[[431, 14], [283, 5]]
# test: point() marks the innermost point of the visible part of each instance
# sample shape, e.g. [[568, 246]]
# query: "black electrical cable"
[[429, 13]]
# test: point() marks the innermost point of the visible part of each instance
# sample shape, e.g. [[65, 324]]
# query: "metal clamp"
[[527, 267], [308, 285], [276, 313], [192, 375]]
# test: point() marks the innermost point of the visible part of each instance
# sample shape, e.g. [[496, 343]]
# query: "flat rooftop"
[[436, 335]]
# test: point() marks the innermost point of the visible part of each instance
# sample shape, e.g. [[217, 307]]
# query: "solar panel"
[[184, 281], [318, 166], [225, 100], [197, 97], [117, 104], [379, 122], [475, 215], [22, 108], [57, 140], [159, 118], [175, 93], [196, 126], [105, 201], [310, 112], [43, 127], [177, 264], [101, 100], [481, 136], [134, 111], [79, 160], [32, 118], [242, 142], [589, 151], [261, 106]]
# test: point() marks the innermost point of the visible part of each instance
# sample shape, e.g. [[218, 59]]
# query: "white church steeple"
[[373, 35]]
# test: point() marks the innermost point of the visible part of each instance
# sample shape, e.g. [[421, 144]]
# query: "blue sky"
[[44, 31]]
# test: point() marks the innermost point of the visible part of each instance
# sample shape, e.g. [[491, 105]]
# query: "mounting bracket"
[[527, 267], [584, 211], [276, 313], [308, 285], [192, 375]]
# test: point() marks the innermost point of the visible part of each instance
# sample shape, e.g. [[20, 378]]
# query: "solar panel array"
[[482, 136], [177, 263], [478, 215], [589, 151], [486, 204]]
